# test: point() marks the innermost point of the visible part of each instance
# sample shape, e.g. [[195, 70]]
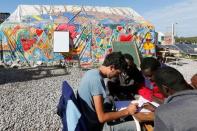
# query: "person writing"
[[92, 93]]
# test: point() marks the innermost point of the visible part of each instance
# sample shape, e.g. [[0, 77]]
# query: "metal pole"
[[172, 33]]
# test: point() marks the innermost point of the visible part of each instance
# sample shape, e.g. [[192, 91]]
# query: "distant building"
[[164, 38], [160, 38], [167, 38], [3, 17]]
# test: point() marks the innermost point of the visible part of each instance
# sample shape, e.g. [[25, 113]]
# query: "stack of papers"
[[120, 105]]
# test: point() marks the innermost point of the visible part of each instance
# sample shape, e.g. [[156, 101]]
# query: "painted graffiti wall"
[[28, 43], [91, 35]]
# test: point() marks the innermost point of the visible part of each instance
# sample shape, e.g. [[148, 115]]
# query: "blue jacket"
[[68, 110]]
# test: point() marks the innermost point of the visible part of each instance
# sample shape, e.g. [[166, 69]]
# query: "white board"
[[61, 41]]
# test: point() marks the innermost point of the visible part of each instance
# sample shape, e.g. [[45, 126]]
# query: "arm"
[[144, 117], [109, 116], [149, 107]]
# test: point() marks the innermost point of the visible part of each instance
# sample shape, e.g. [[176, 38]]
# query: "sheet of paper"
[[120, 105], [142, 101]]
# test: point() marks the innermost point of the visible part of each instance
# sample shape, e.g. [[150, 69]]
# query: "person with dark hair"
[[92, 94], [150, 91], [125, 85], [132, 70], [148, 66], [179, 110]]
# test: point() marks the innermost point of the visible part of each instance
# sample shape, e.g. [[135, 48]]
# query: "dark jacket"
[[178, 113], [127, 83]]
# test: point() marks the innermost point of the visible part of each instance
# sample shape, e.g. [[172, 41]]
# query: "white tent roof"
[[26, 10]]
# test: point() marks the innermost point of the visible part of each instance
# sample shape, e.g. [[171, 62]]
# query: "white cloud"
[[183, 13]]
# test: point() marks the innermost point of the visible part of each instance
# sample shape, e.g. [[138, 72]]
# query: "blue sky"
[[162, 13]]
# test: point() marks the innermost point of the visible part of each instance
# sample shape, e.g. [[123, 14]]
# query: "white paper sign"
[[61, 41]]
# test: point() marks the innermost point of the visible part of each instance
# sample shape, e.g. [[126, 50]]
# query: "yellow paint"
[[148, 46], [148, 36]]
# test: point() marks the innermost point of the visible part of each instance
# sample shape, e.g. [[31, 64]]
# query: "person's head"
[[148, 66], [130, 61], [194, 81], [169, 81], [115, 64]]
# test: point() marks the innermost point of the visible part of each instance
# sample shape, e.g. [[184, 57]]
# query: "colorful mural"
[[91, 33], [148, 48]]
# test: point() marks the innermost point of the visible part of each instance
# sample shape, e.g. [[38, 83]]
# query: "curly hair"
[[150, 63], [128, 57], [116, 59], [171, 78]]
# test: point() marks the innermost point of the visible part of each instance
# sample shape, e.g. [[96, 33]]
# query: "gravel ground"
[[187, 67], [29, 98]]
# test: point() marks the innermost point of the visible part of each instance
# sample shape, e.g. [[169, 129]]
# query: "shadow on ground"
[[9, 75]]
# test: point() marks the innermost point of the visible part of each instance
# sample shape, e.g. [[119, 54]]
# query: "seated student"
[[150, 91], [127, 82], [92, 93], [178, 113], [194, 81]]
